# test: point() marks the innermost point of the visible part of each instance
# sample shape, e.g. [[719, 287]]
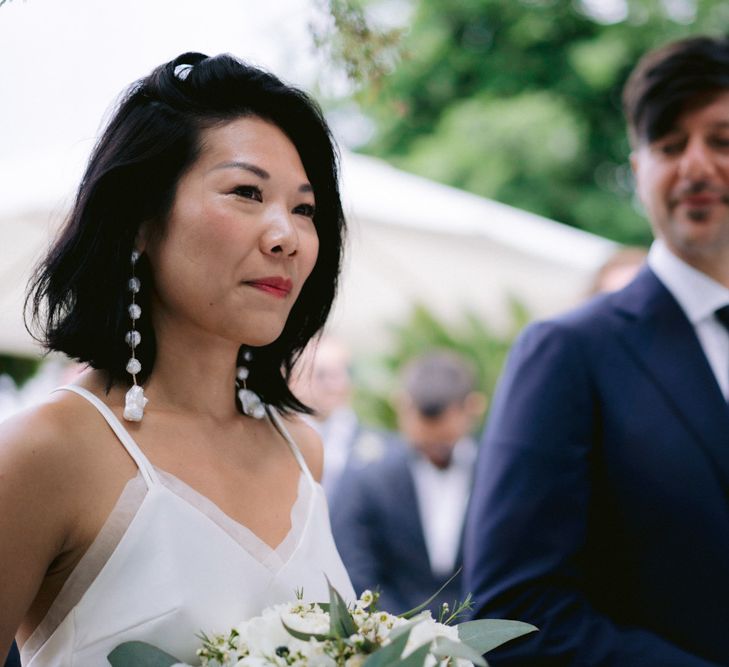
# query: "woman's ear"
[[142, 238]]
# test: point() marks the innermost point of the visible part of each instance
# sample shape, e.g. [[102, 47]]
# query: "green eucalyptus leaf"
[[390, 654], [305, 636], [447, 648], [140, 654], [488, 633], [341, 623], [417, 658]]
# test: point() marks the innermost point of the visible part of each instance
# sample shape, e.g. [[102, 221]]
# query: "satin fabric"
[[178, 569]]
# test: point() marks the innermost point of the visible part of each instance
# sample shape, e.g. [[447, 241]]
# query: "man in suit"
[[398, 522], [323, 381], [601, 504]]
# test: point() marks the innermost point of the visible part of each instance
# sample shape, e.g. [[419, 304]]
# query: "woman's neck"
[[193, 373]]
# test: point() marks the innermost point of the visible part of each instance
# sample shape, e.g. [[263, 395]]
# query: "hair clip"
[[182, 71]]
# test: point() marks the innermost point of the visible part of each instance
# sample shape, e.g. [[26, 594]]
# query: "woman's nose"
[[280, 237]]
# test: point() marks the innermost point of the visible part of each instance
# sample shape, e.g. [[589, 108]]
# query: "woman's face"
[[239, 242]]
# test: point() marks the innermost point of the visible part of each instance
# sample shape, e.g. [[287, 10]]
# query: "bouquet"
[[301, 634]]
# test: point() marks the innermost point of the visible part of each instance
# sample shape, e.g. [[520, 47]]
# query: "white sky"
[[63, 63]]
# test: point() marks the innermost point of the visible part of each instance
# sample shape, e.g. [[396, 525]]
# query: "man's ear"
[[476, 404], [635, 160], [635, 165]]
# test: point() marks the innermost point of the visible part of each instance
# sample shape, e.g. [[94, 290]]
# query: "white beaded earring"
[[250, 401], [134, 401]]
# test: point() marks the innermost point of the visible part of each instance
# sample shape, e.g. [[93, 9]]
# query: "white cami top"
[[169, 563]]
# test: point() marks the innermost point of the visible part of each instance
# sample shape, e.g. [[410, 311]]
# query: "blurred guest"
[[601, 507], [323, 380], [398, 521], [619, 269]]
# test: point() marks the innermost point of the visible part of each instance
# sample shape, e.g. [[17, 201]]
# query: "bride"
[[171, 489]]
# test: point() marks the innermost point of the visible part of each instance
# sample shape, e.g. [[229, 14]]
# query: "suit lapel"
[[404, 508], [472, 479], [663, 341]]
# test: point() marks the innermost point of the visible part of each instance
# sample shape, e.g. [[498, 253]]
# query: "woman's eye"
[[305, 209], [248, 192]]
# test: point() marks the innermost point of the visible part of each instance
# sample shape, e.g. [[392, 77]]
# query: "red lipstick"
[[274, 285]]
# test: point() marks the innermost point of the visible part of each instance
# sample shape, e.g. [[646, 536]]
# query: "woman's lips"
[[275, 285]]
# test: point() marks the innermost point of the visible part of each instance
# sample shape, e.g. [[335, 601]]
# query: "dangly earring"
[[134, 401], [250, 401]]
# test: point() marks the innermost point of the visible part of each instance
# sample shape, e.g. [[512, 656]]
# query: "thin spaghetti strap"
[[145, 467], [276, 420]]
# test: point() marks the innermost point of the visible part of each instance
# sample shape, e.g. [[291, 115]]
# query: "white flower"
[[253, 661], [426, 631], [355, 660], [316, 657], [264, 634], [365, 600], [313, 622]]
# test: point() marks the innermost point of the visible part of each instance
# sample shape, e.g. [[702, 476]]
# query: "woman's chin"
[[262, 337]]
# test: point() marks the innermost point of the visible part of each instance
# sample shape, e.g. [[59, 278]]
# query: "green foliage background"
[[515, 100], [20, 369], [520, 101]]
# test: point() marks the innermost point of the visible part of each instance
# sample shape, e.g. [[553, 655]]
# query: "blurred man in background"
[[619, 270], [601, 505], [398, 521], [323, 381]]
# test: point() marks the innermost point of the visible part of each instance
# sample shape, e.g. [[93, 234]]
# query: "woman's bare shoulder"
[[45, 439], [308, 441], [41, 485]]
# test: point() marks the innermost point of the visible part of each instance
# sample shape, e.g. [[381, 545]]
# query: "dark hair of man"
[[437, 380], [675, 78], [78, 296]]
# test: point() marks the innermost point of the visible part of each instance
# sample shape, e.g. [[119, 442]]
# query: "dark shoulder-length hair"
[[78, 297]]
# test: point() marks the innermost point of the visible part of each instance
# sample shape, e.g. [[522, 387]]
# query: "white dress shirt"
[[699, 296], [442, 496]]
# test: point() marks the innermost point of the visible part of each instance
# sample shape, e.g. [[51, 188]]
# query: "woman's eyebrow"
[[247, 166]]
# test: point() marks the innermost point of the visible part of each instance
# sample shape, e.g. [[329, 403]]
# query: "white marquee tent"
[[416, 241]]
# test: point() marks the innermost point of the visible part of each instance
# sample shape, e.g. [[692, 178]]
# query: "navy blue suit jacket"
[[377, 529], [13, 659], [600, 511]]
